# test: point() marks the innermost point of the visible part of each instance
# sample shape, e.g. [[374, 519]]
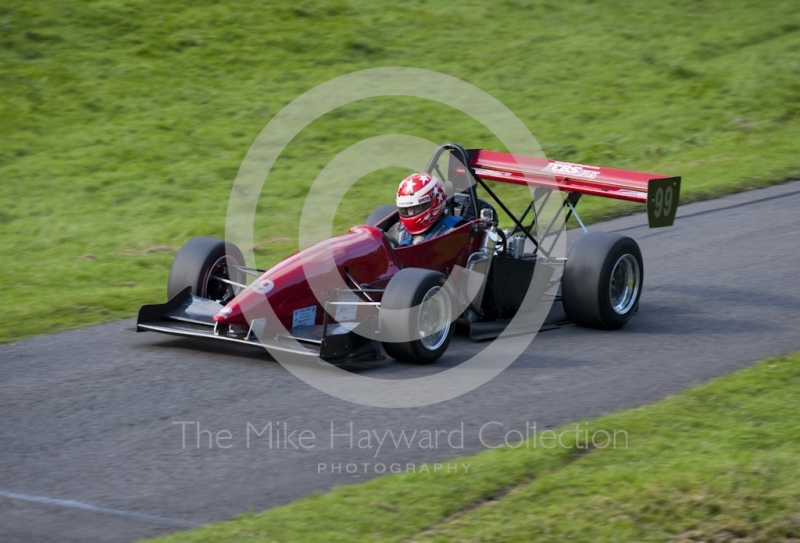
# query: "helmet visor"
[[413, 210]]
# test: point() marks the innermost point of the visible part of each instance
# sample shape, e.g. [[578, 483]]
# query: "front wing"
[[191, 316]]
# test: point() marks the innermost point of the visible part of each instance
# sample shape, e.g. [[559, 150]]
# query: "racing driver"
[[421, 203]]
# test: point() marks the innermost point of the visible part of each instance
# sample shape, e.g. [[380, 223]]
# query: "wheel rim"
[[215, 289], [433, 321], [625, 282]]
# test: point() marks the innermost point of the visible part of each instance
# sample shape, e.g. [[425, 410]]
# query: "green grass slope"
[[123, 122], [720, 462]]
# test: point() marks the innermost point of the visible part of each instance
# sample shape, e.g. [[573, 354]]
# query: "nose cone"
[[230, 314], [253, 297], [297, 283]]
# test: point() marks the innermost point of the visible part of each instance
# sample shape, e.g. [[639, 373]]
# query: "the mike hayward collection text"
[[282, 435]]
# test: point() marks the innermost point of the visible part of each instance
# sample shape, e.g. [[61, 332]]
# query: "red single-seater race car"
[[357, 295]]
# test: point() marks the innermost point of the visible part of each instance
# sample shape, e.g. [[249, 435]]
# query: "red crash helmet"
[[420, 202]]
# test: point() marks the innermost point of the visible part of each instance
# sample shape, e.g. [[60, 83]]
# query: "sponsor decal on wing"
[[635, 193], [568, 169], [481, 171]]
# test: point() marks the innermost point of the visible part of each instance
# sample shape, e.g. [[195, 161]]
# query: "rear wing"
[[660, 193]]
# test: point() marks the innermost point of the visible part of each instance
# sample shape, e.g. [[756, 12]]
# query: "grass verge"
[[719, 462], [123, 123]]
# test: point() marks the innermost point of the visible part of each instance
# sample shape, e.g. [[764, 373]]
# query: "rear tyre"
[[428, 316], [200, 263], [379, 214], [602, 280]]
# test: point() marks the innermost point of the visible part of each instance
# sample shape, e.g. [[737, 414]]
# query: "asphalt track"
[[90, 449]]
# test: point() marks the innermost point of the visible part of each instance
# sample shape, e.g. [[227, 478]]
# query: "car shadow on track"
[[461, 349], [239, 352], [251, 354]]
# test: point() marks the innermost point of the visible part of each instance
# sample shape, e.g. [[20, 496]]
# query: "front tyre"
[[602, 280], [416, 316], [201, 264]]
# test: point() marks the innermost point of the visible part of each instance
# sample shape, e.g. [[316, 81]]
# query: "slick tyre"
[[602, 280], [200, 263], [417, 303]]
